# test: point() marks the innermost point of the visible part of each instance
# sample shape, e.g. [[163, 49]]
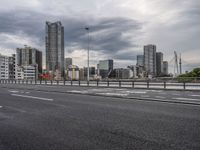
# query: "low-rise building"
[[30, 72], [73, 72]]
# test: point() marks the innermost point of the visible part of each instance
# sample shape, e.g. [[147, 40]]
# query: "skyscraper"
[[159, 63], [150, 60], [55, 49]]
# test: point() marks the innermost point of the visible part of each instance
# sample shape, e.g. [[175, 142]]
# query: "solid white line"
[[195, 95], [191, 99], [26, 96]]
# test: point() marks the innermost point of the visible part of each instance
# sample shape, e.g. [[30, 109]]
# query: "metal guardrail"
[[117, 84]]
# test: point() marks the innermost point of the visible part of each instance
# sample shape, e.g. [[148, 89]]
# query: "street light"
[[88, 70]]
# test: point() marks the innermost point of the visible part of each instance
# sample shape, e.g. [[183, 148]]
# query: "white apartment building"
[[4, 67], [19, 73]]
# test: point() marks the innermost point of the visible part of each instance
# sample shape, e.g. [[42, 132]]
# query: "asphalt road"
[[46, 118]]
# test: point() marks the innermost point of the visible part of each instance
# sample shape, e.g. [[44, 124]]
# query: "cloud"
[[118, 29]]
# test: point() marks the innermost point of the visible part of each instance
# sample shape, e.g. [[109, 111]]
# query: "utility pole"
[[88, 62], [175, 64]]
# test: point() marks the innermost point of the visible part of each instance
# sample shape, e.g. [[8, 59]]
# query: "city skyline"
[[120, 37]]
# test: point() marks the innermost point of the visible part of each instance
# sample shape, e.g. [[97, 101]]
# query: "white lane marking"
[[75, 91], [190, 99], [13, 91], [1, 106], [195, 95], [32, 97], [160, 97], [176, 94], [136, 92], [112, 94]]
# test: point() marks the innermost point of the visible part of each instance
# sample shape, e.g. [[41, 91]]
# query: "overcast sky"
[[119, 28]]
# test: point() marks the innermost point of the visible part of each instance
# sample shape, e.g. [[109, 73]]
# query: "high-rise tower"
[[55, 49], [150, 60]]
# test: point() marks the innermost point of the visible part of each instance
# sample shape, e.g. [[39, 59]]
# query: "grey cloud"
[[106, 33]]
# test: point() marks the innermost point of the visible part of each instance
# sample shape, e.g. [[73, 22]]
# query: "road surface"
[[47, 118]]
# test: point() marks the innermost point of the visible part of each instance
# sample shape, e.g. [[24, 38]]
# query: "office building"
[[105, 68], [165, 68], [122, 73], [4, 67], [68, 62], [159, 63], [55, 49], [150, 60], [140, 60], [29, 56], [92, 72]]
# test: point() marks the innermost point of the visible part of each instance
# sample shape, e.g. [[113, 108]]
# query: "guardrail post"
[[120, 84], [133, 84], [71, 83], [64, 82], [164, 85], [57, 82], [51, 82], [108, 83], [184, 85], [97, 82], [147, 84], [88, 83]]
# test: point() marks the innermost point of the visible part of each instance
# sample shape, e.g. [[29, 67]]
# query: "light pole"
[[88, 62]]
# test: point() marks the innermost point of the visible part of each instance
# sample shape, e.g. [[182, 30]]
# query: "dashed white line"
[[1, 106], [32, 97], [12, 91]]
